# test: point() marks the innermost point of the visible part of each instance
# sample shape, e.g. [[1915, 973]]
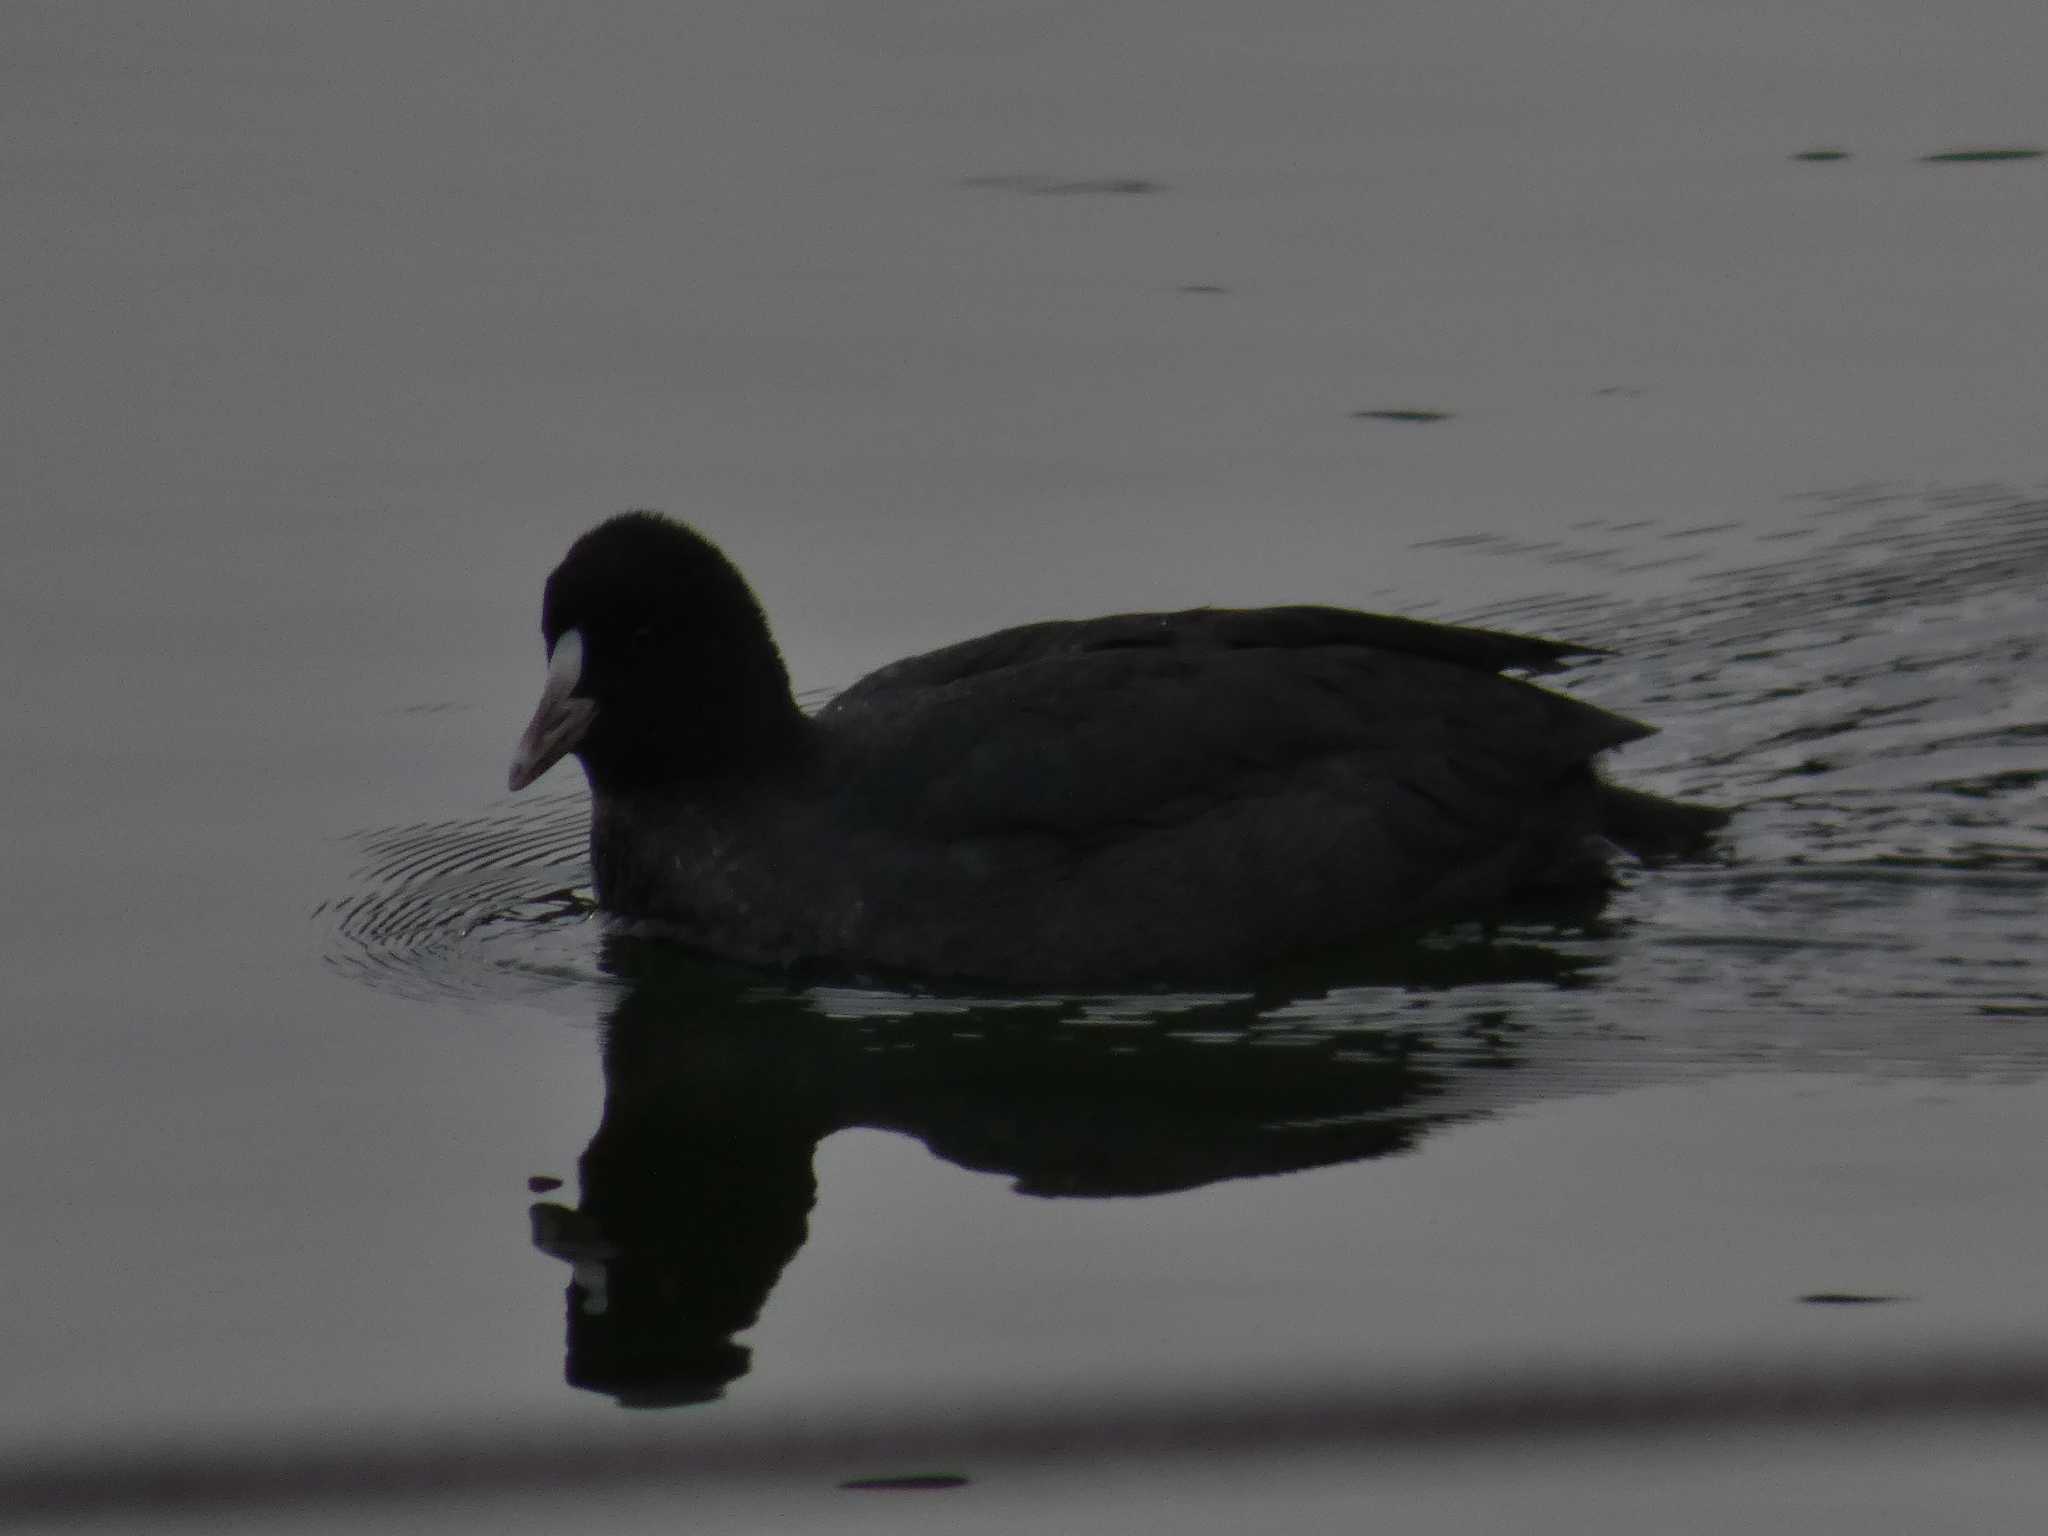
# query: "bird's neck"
[[694, 755]]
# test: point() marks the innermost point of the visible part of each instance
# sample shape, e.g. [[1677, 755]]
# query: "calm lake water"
[[337, 1117]]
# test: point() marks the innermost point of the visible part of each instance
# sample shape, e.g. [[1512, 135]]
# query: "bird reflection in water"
[[696, 1189]]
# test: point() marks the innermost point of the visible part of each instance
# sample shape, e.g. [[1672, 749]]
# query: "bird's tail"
[[1653, 828]]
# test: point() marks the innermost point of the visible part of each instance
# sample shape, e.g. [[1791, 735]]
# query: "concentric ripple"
[[490, 905]]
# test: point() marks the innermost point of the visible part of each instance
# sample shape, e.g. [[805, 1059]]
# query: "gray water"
[[331, 328]]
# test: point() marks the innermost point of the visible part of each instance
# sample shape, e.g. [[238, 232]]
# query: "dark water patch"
[[1991, 787], [1981, 156], [914, 1482], [1401, 414], [1848, 1299], [1069, 186], [1822, 154]]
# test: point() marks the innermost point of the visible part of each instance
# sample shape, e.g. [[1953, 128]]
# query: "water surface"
[[331, 328]]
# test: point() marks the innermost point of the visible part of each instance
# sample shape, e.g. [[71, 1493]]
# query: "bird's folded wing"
[[1087, 729]]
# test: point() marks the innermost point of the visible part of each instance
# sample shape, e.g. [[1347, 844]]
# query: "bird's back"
[[1215, 788]]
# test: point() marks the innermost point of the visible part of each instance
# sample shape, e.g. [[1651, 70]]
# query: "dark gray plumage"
[[1137, 800]]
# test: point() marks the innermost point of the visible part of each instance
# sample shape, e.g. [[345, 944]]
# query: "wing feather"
[[1154, 719]]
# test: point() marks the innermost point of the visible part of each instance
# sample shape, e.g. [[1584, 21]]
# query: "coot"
[[1145, 799]]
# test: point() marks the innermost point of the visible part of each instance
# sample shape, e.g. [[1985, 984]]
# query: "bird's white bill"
[[561, 720]]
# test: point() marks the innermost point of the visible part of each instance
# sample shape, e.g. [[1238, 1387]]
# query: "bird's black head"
[[661, 670]]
